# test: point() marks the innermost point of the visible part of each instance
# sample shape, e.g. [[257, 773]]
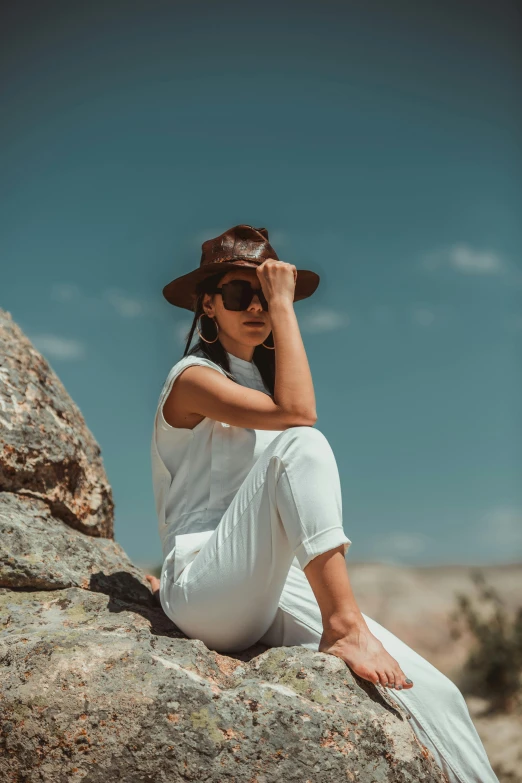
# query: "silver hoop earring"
[[197, 328]]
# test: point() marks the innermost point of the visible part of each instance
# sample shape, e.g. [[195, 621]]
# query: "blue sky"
[[381, 146]]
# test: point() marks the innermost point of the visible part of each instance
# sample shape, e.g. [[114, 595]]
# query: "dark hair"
[[263, 358]]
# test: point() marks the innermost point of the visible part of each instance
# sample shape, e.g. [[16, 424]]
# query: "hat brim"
[[180, 292]]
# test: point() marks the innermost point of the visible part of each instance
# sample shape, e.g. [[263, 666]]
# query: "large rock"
[[97, 688], [97, 684], [40, 552], [46, 450]]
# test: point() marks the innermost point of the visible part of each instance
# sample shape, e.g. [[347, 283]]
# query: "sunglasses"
[[237, 295]]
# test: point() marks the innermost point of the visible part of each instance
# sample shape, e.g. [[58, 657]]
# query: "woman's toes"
[[404, 681], [400, 680], [371, 675]]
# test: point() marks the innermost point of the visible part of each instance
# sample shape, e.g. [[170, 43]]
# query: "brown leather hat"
[[240, 246]]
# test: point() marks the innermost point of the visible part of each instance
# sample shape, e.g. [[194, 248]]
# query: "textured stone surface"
[[97, 684], [40, 552], [95, 688], [46, 450]]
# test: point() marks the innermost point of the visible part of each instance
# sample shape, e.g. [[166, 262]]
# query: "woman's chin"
[[254, 337]]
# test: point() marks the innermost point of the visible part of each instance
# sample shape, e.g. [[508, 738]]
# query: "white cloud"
[[65, 292], [470, 261], [56, 347], [124, 305], [465, 259], [323, 320], [421, 315]]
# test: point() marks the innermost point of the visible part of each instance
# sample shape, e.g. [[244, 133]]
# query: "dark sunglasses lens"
[[231, 296], [239, 293]]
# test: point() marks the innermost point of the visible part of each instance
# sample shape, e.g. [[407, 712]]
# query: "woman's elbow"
[[304, 419]]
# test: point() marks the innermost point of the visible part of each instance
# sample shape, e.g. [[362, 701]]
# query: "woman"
[[248, 495]]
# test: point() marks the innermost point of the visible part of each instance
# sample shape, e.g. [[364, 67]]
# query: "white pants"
[[246, 584]]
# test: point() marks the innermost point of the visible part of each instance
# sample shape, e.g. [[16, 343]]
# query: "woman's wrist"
[[280, 305], [280, 302]]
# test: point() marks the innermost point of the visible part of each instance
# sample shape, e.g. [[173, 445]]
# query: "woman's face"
[[235, 323]]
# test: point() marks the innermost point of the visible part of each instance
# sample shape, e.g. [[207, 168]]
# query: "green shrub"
[[493, 670]]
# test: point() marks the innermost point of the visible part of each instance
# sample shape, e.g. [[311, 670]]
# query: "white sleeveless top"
[[197, 472]]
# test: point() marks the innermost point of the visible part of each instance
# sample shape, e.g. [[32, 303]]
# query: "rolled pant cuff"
[[327, 539]]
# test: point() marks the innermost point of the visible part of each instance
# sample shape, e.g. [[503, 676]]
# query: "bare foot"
[[155, 584], [365, 654]]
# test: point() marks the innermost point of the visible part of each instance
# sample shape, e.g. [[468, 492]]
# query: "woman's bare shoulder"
[[176, 407]]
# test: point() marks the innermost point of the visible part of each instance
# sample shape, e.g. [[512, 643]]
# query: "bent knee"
[[310, 443], [307, 436]]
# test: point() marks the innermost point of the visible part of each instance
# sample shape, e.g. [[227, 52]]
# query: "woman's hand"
[[277, 278]]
